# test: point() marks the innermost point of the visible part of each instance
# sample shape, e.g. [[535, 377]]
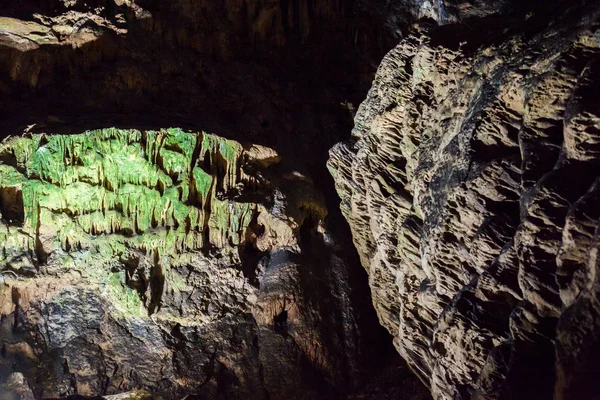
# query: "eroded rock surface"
[[470, 185]]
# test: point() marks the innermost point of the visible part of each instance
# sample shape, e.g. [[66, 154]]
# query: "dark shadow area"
[[11, 205]]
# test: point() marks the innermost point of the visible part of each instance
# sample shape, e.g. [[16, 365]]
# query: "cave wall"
[[218, 264], [172, 261], [469, 185], [189, 261]]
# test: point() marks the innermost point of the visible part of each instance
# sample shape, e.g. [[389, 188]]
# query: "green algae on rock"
[[114, 181], [104, 196]]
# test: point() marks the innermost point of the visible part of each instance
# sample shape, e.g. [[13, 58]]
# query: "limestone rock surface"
[[470, 185], [171, 262]]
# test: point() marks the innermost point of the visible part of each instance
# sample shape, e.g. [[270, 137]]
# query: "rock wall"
[[215, 266], [172, 261], [470, 185], [182, 262]]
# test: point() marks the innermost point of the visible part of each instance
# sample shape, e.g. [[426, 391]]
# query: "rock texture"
[[470, 185], [148, 260], [239, 68], [169, 261]]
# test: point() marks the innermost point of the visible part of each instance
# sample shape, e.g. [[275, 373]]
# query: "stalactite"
[[114, 181]]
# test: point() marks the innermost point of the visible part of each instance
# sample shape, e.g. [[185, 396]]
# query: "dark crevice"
[[11, 205]]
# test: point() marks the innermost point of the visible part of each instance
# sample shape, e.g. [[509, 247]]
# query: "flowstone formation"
[[168, 261], [151, 191], [471, 187]]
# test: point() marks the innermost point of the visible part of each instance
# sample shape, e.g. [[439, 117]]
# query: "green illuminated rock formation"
[[114, 192], [143, 184], [163, 260]]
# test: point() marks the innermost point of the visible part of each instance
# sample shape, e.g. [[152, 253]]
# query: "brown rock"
[[464, 186]]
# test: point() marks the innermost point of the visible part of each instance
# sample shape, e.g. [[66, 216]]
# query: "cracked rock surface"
[[471, 188]]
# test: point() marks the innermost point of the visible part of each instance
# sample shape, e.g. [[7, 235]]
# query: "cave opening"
[[280, 323]]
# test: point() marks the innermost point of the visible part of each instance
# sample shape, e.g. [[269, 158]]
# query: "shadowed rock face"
[[468, 185]]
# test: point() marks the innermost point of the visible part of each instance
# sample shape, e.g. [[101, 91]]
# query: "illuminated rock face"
[[471, 187], [108, 196], [150, 186], [170, 261]]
